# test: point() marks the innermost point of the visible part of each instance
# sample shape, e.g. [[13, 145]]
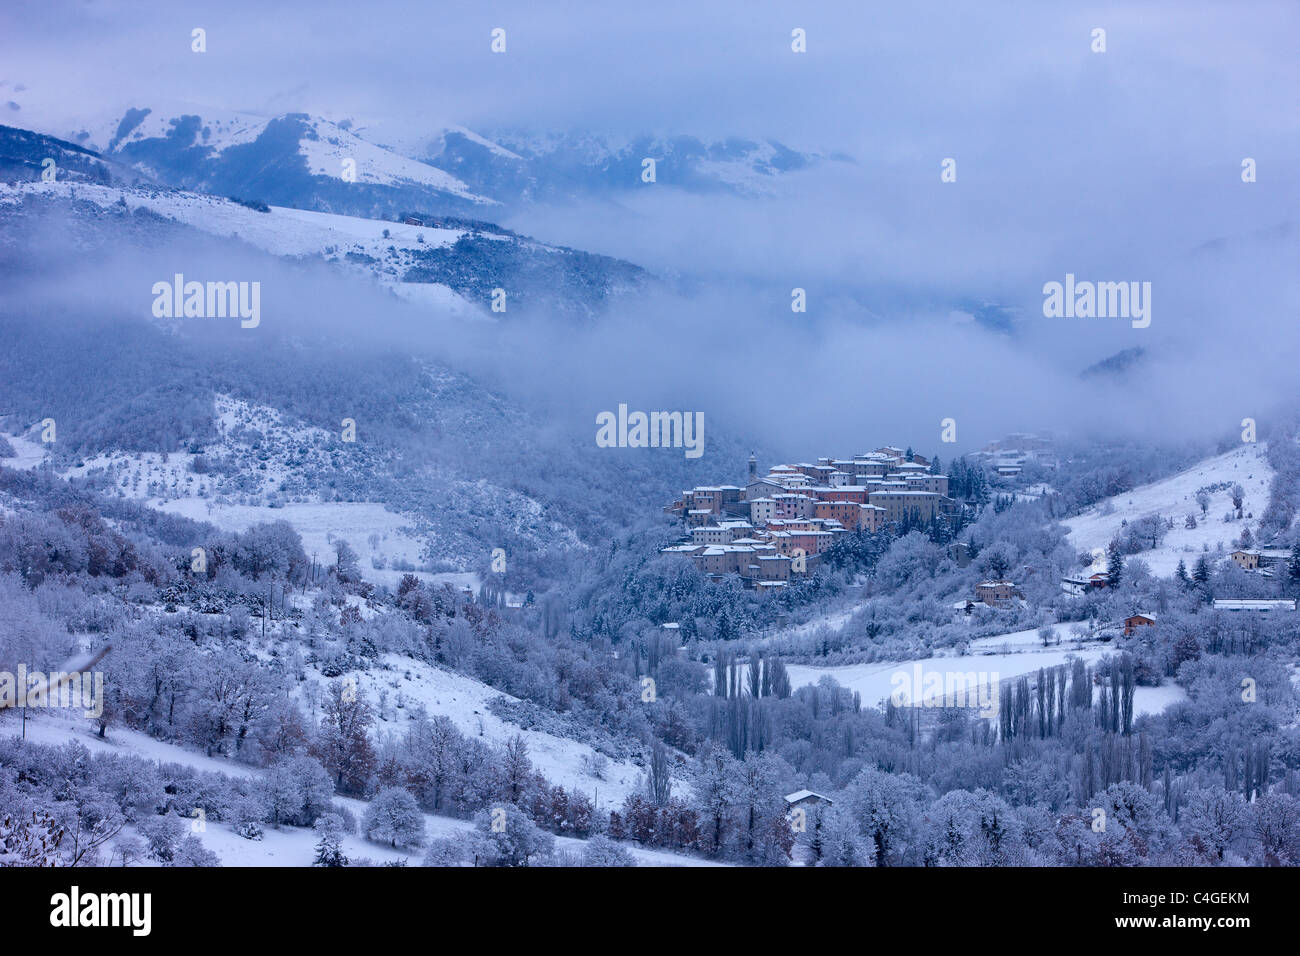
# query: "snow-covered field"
[[319, 524], [27, 453], [293, 846], [169, 483], [991, 659], [1175, 497]]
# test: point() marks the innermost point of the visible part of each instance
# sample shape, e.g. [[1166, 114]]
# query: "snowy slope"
[[290, 846], [169, 483], [404, 685], [282, 231], [396, 254], [1175, 497], [324, 145]]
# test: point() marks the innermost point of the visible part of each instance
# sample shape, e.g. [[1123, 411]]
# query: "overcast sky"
[[1114, 166], [892, 80]]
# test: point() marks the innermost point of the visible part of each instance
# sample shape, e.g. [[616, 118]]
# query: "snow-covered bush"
[[602, 851], [445, 851], [192, 852], [505, 836]]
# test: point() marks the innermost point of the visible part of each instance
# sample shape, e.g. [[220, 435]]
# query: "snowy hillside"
[[452, 264], [206, 484], [201, 145], [288, 846], [386, 250], [402, 688], [30, 156], [1175, 498]]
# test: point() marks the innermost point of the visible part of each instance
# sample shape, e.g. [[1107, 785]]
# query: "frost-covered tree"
[[343, 742], [1213, 818], [839, 838], [346, 561], [506, 836], [659, 775], [516, 769], [964, 828], [393, 817], [296, 792], [887, 807], [329, 845], [1276, 825]]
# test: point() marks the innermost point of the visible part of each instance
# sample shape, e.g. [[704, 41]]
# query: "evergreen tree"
[[1201, 571], [329, 849], [1114, 565]]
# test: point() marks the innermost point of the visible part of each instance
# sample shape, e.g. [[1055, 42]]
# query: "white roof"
[[804, 795], [1234, 604]]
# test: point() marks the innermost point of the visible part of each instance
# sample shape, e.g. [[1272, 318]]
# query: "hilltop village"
[[780, 524]]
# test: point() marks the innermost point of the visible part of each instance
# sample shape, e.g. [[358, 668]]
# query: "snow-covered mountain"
[[519, 166], [26, 156], [445, 261], [290, 159], [299, 159]]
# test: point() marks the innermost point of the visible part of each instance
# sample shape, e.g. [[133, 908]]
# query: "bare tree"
[[659, 775]]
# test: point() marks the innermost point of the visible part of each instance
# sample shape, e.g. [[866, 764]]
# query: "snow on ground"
[[876, 681], [293, 846], [997, 658], [1175, 497], [319, 524], [373, 246], [1154, 700], [464, 700], [474, 137], [1027, 640], [832, 620], [169, 483], [440, 298], [332, 145], [56, 727], [324, 145], [282, 231], [27, 453]]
